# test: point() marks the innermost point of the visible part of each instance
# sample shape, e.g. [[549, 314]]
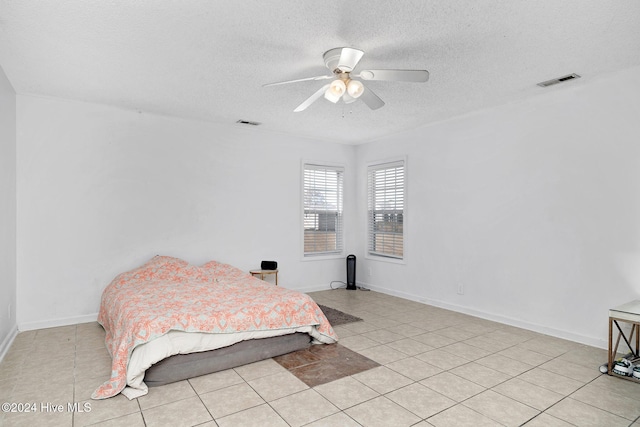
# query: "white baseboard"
[[313, 288], [558, 333], [42, 324], [8, 340]]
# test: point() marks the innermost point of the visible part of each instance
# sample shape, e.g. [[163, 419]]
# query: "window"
[[386, 209], [322, 209]]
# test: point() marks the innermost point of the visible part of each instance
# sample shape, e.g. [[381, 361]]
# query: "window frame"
[[376, 166], [340, 233]]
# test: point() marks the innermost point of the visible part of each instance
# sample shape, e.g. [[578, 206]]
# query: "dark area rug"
[[322, 363], [337, 317]]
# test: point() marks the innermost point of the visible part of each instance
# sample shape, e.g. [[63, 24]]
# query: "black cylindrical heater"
[[351, 272]]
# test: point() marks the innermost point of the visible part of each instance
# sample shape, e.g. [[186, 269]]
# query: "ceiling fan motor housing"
[[332, 58]]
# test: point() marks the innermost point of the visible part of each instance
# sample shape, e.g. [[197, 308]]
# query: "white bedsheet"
[[179, 342]]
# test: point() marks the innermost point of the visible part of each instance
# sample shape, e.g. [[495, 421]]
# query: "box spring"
[[184, 366]]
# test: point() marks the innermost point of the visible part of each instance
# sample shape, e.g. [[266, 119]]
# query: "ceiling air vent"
[[559, 80], [247, 122]]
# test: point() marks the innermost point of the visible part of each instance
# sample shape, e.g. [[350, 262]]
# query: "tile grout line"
[[406, 356], [568, 395], [75, 365], [266, 402], [491, 388], [201, 401]]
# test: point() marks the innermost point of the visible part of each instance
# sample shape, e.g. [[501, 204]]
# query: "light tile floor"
[[439, 368]]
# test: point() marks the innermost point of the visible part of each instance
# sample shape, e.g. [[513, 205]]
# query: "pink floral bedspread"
[[170, 294]]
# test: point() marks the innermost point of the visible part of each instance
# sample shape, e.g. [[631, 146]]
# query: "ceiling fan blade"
[[395, 75], [298, 80], [349, 58], [311, 99], [371, 99]]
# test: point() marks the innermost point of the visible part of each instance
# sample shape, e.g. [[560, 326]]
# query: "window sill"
[[323, 257], [400, 261]]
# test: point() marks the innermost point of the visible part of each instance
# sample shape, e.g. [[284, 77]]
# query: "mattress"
[[169, 307]]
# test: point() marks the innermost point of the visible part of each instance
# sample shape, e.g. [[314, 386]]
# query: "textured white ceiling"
[[209, 59]]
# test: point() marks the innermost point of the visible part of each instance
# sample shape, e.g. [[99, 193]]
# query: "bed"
[[171, 320]]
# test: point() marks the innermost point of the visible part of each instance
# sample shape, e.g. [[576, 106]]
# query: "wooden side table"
[[263, 273], [628, 313]]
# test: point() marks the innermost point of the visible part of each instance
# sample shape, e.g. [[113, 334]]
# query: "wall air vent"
[[247, 122], [559, 80]]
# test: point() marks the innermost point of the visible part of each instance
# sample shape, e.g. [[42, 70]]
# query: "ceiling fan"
[[341, 61]]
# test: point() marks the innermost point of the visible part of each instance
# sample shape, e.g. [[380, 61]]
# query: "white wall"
[[102, 190], [7, 213], [533, 207]]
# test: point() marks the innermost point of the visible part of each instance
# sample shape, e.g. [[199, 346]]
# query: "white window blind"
[[322, 209], [386, 209]]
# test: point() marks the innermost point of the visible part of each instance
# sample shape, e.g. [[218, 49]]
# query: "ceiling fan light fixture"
[[335, 91], [348, 99], [355, 88]]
